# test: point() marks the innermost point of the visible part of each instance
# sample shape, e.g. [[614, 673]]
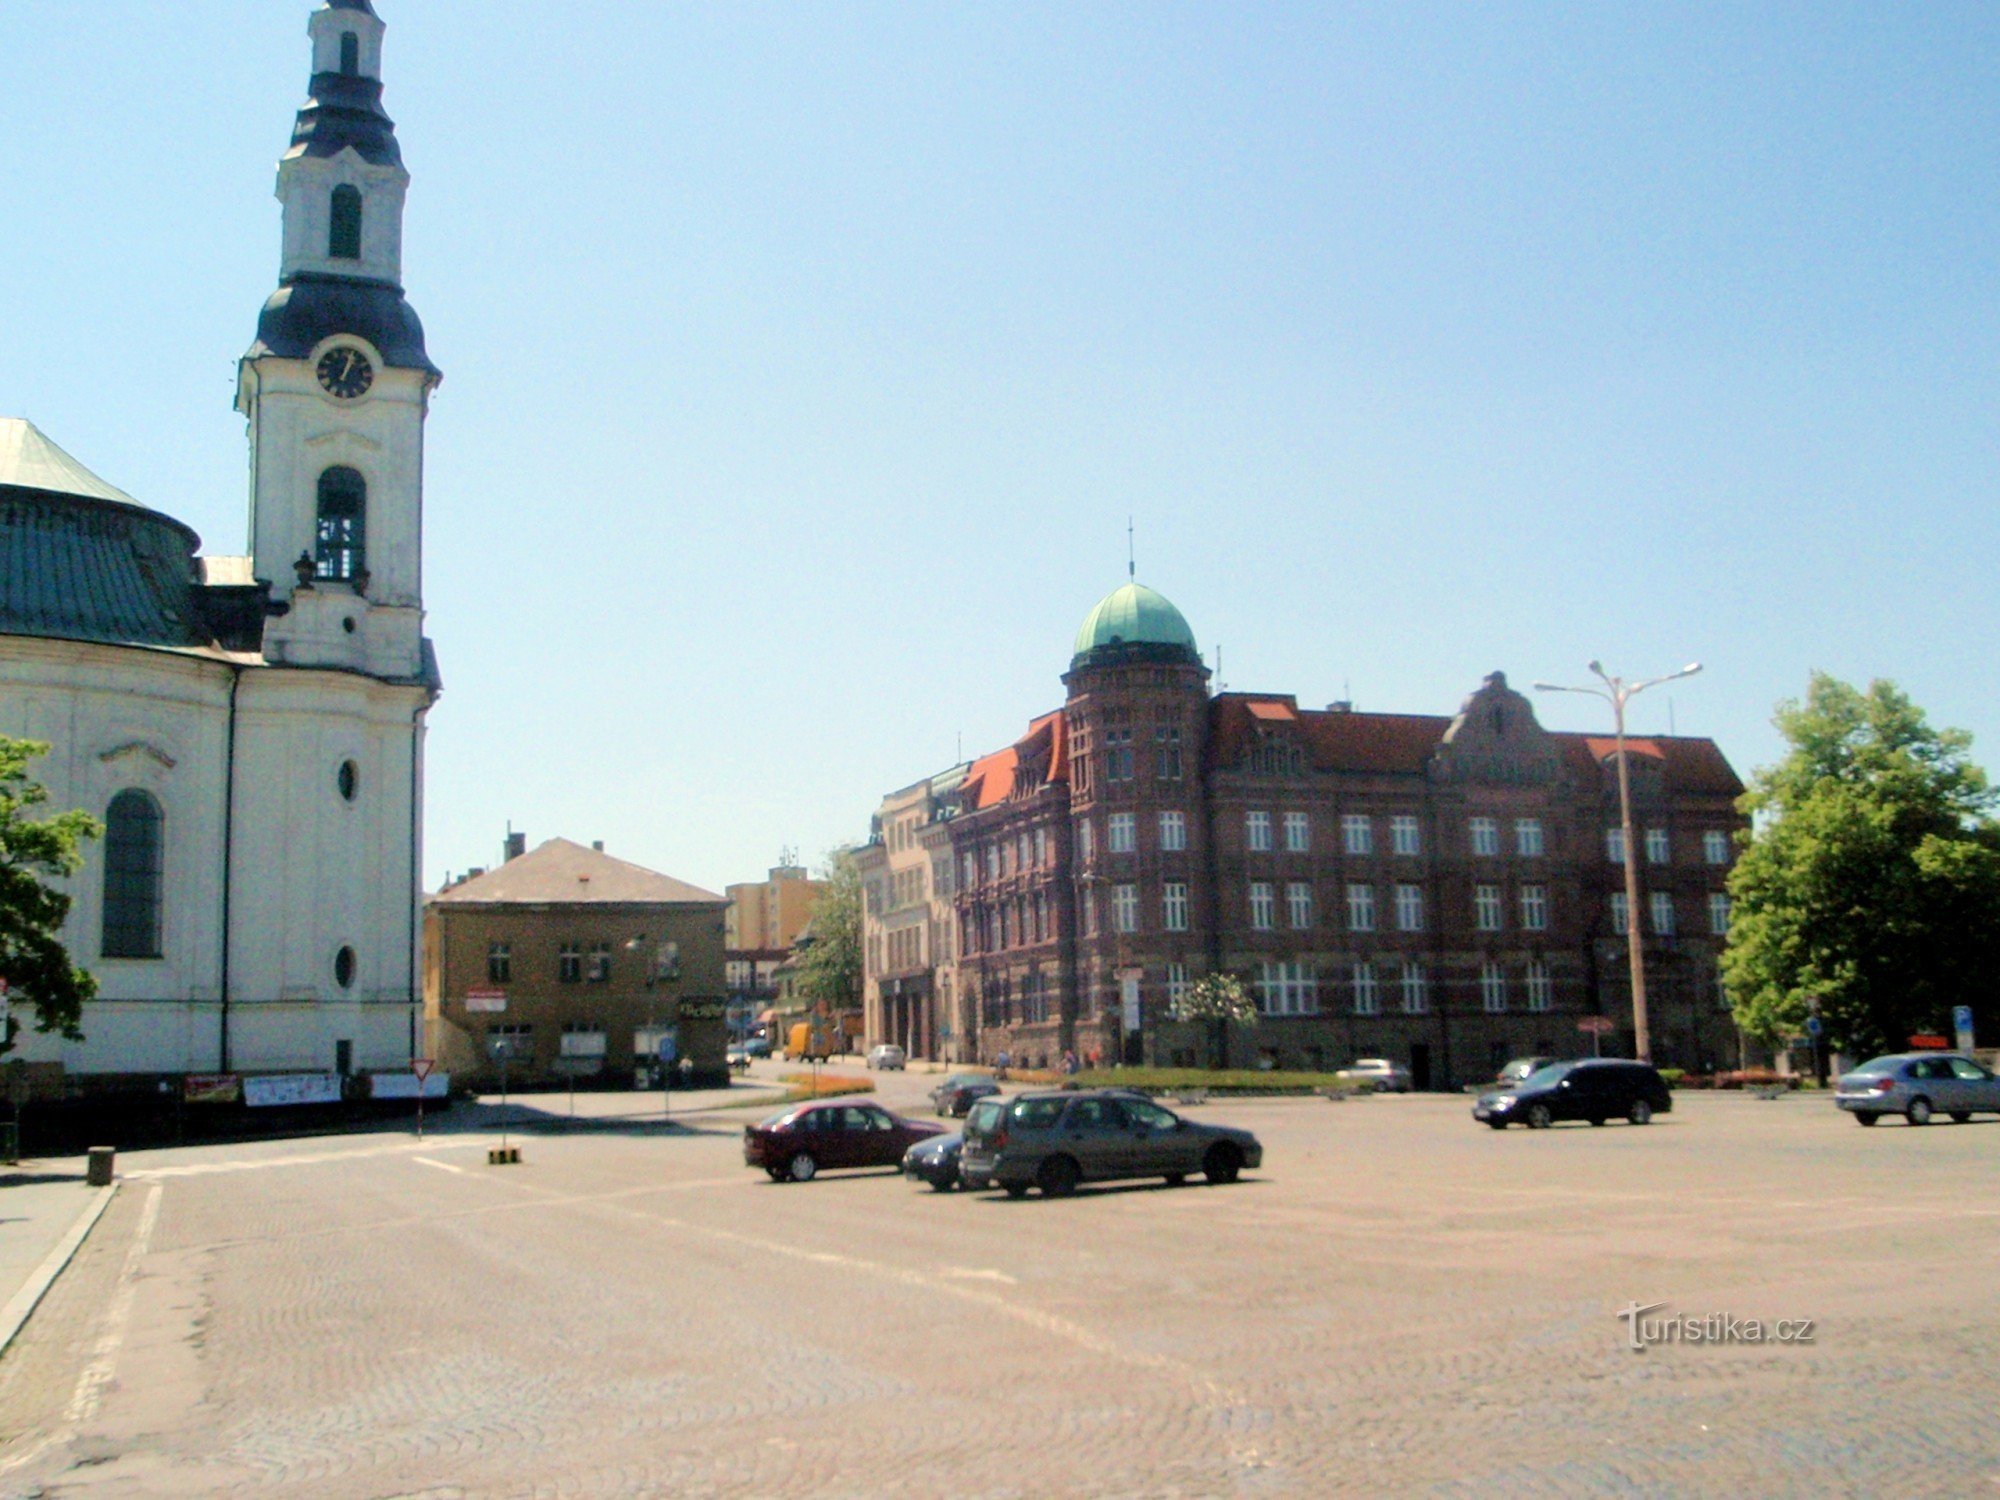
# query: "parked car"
[[935, 1161], [1377, 1073], [797, 1142], [1511, 1075], [1055, 1141], [1917, 1085], [887, 1056], [958, 1093], [1593, 1089], [758, 1046], [739, 1059]]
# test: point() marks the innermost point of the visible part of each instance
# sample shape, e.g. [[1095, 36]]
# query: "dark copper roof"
[[77, 564]]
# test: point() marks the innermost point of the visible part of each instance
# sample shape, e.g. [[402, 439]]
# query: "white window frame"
[[1174, 906], [1660, 913], [1614, 846], [1299, 905], [1357, 833], [1619, 916], [1416, 986], [1367, 989], [1715, 846], [1409, 907], [1484, 836], [1492, 989], [1541, 987], [1257, 832], [1122, 834], [1173, 832], [1528, 840], [1263, 907], [1125, 908], [1718, 913], [1659, 849], [1298, 833], [1360, 906], [1405, 836], [1486, 908], [1534, 907]]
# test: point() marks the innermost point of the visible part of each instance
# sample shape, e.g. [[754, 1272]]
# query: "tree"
[[830, 960], [1217, 1001], [1870, 889], [33, 961]]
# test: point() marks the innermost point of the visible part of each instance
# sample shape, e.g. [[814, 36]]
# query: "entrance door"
[[343, 1058], [1420, 1065]]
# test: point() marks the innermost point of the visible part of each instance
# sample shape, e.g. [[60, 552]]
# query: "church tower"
[[338, 383]]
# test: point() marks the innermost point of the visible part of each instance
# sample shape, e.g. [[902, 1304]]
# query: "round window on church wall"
[[343, 968], [348, 779]]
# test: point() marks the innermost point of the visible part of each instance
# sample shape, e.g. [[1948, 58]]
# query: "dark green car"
[[1055, 1141]]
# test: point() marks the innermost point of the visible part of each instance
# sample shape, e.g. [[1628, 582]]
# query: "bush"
[[1213, 1080], [1674, 1077]]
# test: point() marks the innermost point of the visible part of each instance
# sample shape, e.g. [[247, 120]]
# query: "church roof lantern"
[[344, 111], [1134, 622]]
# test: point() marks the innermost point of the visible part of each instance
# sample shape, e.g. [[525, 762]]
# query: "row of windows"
[[577, 964], [1028, 850], [1293, 988]]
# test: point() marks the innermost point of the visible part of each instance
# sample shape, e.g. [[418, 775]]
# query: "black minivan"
[[1594, 1089]]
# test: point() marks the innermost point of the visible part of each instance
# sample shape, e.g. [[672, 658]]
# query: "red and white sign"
[[422, 1067], [493, 1000], [1596, 1026], [1930, 1040]]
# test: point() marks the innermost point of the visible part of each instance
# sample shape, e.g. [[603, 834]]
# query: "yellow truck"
[[821, 1038]]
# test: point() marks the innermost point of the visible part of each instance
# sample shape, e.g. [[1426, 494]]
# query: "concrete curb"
[[25, 1301]]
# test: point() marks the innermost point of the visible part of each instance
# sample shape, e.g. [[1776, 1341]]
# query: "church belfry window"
[[134, 846], [343, 237], [350, 54], [343, 515]]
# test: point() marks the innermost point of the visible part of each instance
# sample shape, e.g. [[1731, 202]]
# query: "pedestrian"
[[1000, 1064], [1069, 1064]]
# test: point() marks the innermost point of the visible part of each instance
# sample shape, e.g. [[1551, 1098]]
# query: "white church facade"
[[250, 728]]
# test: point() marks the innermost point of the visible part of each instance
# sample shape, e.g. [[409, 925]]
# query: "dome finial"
[[1131, 553]]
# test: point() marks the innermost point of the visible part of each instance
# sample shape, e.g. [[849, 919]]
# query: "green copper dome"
[[1135, 621]]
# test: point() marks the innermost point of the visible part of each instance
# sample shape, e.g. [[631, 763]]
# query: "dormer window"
[[350, 54], [343, 240]]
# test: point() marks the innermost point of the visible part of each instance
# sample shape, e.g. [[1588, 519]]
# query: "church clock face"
[[345, 373]]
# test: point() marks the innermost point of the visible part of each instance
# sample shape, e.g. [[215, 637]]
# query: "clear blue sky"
[[804, 362]]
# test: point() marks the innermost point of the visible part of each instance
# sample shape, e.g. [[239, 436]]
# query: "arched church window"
[[343, 240], [134, 846], [350, 53], [343, 516]]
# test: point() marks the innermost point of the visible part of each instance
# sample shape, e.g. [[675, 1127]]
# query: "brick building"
[[1446, 891], [593, 958]]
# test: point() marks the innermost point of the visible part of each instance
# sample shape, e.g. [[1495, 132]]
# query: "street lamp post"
[[1618, 692]]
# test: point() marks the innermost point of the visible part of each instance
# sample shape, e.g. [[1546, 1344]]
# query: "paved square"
[[1400, 1301]]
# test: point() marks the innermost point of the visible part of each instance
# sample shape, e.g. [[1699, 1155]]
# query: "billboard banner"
[[292, 1088], [212, 1088], [404, 1086]]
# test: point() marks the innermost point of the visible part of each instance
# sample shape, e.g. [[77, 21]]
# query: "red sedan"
[[796, 1143]]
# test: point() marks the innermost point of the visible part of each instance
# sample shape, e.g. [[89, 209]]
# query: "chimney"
[[598, 845], [475, 872], [1340, 706], [517, 845]]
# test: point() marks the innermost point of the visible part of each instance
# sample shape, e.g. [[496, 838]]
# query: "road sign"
[[670, 1048], [1961, 1022], [488, 1000], [1596, 1025], [422, 1067], [1813, 1027]]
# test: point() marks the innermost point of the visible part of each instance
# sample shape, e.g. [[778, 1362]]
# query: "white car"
[[1377, 1073], [887, 1056]]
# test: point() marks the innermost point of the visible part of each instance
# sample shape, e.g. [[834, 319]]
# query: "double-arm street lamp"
[[1617, 692]]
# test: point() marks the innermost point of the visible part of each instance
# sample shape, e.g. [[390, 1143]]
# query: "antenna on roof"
[[1675, 733], [1131, 551], [958, 754], [1220, 685]]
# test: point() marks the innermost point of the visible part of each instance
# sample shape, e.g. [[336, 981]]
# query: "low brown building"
[[571, 964]]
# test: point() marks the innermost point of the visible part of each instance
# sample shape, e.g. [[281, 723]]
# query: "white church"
[[250, 729]]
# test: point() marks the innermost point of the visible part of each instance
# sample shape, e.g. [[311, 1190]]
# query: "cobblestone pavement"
[[1400, 1301]]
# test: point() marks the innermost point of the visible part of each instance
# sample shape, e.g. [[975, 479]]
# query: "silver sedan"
[[1918, 1085]]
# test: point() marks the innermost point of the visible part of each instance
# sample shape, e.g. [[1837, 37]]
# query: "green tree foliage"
[[830, 964], [33, 961], [1217, 1001], [1872, 881]]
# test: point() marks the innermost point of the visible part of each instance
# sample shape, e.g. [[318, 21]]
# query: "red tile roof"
[[994, 778]]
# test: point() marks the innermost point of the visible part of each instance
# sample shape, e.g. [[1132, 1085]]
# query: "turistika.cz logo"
[[1642, 1332]]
